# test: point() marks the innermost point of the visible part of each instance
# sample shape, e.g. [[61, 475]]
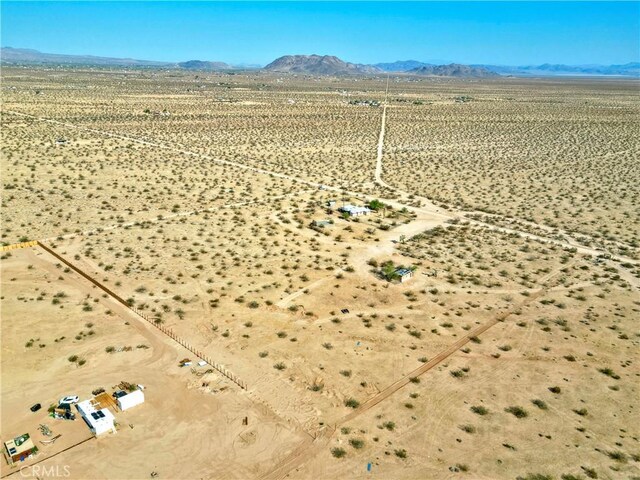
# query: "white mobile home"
[[98, 421], [355, 211]]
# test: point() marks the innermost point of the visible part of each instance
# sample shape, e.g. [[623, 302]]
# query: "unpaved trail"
[[454, 347], [307, 451], [164, 218], [431, 208], [428, 207], [175, 148], [378, 172], [290, 298]]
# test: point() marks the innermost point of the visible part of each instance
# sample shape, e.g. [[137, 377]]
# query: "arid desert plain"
[[155, 218]]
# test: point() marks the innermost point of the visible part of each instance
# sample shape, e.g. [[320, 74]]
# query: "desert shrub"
[[517, 411], [617, 455], [389, 426], [609, 373], [479, 410], [356, 443], [279, 366], [351, 403], [401, 453], [539, 403], [468, 428], [338, 452]]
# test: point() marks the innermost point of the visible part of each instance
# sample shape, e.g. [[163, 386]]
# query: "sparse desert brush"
[[400, 453], [351, 403], [338, 452], [517, 411], [356, 443], [539, 403], [222, 252], [479, 410]]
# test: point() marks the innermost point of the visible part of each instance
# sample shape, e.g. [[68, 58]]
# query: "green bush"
[[338, 452], [401, 453], [479, 410], [351, 403], [517, 411], [356, 443]]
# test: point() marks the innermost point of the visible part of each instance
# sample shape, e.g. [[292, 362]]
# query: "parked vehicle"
[[36, 407], [69, 399]]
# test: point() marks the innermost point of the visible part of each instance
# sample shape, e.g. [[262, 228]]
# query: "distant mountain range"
[[479, 70], [324, 65], [631, 69], [453, 70], [402, 65], [318, 65], [24, 56], [202, 65]]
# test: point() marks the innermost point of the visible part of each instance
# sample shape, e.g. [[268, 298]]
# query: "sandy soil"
[[194, 200]]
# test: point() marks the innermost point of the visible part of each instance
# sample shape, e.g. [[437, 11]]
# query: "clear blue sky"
[[509, 33]]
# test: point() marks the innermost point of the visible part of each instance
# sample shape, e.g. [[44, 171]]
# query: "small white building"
[[355, 211], [130, 400], [404, 274], [98, 421]]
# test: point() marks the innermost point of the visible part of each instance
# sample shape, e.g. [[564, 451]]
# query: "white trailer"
[[130, 400]]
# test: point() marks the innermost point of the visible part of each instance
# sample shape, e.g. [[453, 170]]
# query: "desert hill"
[[318, 65]]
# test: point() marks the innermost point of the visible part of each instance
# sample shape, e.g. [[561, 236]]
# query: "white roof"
[[353, 209], [99, 420], [131, 399]]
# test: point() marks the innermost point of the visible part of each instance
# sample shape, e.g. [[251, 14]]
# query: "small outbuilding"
[[130, 400], [321, 223], [19, 449], [404, 274]]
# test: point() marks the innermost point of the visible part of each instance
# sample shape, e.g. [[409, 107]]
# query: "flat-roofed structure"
[[354, 210], [404, 274], [130, 400], [19, 449], [99, 421]]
